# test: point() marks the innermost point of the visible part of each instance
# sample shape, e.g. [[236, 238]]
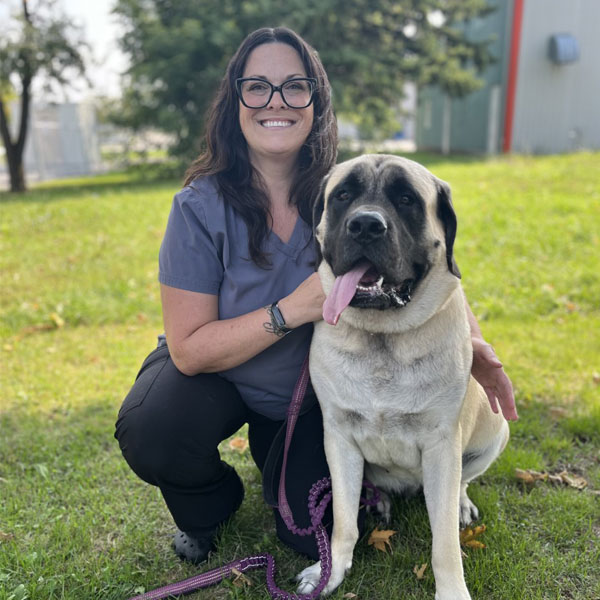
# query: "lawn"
[[80, 310]]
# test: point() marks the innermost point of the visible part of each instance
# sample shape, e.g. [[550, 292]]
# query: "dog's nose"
[[366, 227]]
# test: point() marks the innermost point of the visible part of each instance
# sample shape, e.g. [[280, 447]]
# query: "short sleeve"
[[189, 258]]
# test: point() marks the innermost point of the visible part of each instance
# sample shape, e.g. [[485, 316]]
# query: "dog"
[[391, 362]]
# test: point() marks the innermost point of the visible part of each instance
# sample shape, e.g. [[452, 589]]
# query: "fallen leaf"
[[468, 535], [57, 320], [475, 544], [5, 537], [239, 443], [420, 571], [349, 595], [558, 412], [240, 579], [574, 481], [530, 476], [379, 538]]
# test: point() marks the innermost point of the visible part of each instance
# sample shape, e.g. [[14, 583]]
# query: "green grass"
[[80, 310]]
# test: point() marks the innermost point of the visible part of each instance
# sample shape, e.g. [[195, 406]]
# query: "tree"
[[40, 44], [178, 51]]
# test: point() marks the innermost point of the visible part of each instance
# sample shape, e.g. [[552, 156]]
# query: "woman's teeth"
[[276, 123]]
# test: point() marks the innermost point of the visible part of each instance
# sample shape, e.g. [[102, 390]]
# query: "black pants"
[[169, 428]]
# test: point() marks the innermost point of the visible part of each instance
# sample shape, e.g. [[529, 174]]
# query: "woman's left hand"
[[488, 371]]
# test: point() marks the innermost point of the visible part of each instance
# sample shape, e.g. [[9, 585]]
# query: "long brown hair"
[[225, 152]]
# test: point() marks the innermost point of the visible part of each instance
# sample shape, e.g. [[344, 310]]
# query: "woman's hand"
[[488, 371], [304, 304]]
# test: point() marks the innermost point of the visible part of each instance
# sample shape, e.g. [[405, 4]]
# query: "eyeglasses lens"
[[296, 93]]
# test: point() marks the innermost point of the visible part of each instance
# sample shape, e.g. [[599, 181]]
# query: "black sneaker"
[[193, 549]]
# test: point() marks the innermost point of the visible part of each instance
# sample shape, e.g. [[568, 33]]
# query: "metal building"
[[542, 95]]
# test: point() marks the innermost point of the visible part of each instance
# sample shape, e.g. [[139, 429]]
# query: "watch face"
[[279, 320]]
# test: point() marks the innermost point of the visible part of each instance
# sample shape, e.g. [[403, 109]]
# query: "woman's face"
[[275, 129]]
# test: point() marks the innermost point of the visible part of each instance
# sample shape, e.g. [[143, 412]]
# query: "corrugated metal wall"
[[557, 108]]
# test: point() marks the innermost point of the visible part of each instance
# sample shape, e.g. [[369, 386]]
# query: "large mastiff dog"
[[391, 363]]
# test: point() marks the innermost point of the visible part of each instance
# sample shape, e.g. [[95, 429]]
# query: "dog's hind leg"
[[474, 463], [383, 509]]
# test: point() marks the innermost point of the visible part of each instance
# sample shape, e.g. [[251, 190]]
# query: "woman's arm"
[[488, 371], [201, 343]]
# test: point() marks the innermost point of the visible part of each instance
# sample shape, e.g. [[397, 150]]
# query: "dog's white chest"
[[390, 399]]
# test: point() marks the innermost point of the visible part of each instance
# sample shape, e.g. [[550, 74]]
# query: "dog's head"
[[383, 224]]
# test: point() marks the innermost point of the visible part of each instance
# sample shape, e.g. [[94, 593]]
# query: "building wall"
[[557, 108], [62, 140]]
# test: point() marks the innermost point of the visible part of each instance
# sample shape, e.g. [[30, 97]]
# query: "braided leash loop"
[[260, 561], [316, 508]]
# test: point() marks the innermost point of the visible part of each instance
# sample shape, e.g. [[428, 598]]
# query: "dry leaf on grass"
[[349, 595], [240, 579], [57, 320], [380, 537], [5, 537], [574, 481], [558, 412], [468, 535], [420, 571], [530, 476], [240, 444]]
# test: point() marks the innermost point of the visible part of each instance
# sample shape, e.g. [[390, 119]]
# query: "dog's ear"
[[447, 216], [318, 208]]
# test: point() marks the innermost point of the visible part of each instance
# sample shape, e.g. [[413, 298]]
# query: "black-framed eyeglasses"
[[257, 93]]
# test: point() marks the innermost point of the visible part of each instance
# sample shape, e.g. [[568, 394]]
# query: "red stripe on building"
[[513, 67]]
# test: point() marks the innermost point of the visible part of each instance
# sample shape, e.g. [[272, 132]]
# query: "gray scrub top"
[[205, 249]]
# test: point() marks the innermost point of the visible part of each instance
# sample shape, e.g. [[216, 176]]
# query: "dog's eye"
[[342, 196], [406, 199]]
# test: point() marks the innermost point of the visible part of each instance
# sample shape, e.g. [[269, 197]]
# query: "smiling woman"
[[239, 296], [274, 76]]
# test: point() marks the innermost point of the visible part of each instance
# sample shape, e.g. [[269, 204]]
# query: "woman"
[[239, 296]]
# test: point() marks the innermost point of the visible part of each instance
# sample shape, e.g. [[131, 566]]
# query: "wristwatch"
[[277, 321]]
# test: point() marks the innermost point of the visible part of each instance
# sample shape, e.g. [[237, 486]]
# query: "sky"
[[101, 31]]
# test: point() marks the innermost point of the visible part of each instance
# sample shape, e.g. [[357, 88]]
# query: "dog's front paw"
[[309, 579], [456, 594]]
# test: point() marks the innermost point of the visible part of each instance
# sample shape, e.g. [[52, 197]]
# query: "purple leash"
[[316, 510]]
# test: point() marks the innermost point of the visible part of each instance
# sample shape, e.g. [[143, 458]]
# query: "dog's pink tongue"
[[343, 290]]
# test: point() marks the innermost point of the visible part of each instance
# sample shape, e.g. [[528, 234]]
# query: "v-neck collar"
[[298, 240]]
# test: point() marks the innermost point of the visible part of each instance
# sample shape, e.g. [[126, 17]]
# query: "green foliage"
[[76, 523], [39, 42], [42, 42], [179, 51]]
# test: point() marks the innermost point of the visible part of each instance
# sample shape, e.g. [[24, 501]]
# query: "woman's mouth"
[[276, 123]]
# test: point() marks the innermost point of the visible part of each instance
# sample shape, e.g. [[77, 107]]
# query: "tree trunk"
[[14, 150], [14, 155]]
